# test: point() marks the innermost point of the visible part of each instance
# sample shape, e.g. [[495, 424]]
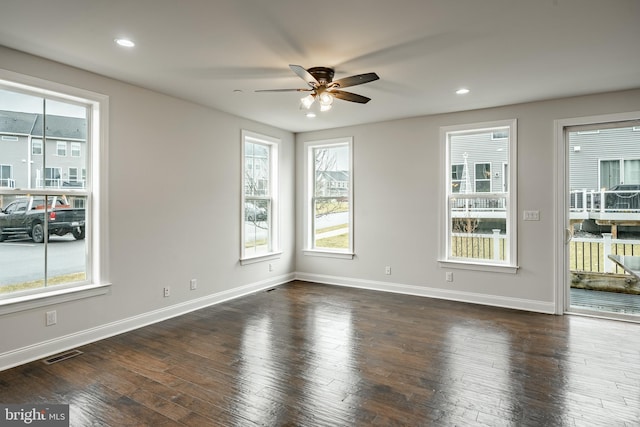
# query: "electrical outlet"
[[531, 215], [193, 284], [449, 276], [387, 270], [166, 291], [52, 318]]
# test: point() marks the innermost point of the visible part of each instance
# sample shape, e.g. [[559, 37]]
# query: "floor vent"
[[271, 290], [62, 356]]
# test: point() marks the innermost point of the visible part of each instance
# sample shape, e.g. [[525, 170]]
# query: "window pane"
[[257, 228], [256, 169], [330, 202], [259, 236], [331, 223], [42, 237], [478, 224], [61, 229]]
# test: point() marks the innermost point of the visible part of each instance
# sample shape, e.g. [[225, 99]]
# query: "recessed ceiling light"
[[462, 91], [125, 42]]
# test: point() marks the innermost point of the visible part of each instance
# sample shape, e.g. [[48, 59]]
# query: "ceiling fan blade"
[[283, 90], [348, 96], [355, 80], [304, 75]]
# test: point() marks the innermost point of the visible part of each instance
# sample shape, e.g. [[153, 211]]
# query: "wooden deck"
[[606, 302], [306, 354]]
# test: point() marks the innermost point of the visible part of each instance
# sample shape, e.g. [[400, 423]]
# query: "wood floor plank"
[[307, 354]]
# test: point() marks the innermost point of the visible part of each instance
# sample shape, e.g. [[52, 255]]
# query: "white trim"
[[273, 145], [561, 179], [512, 198], [477, 266], [43, 299], [97, 228], [309, 181], [425, 291], [259, 258], [46, 348], [328, 254]]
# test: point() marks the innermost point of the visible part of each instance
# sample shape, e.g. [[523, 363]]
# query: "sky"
[[13, 101]]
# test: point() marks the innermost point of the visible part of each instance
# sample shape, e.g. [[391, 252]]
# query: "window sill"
[[266, 257], [466, 265], [43, 299], [328, 254]]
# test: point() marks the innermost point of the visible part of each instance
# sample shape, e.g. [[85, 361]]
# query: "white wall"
[[166, 231], [397, 183], [174, 214]]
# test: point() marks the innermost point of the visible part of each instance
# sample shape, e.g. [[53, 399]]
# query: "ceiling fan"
[[324, 89]]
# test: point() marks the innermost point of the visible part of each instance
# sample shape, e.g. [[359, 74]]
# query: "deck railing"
[[479, 246], [614, 201], [591, 255], [586, 255]]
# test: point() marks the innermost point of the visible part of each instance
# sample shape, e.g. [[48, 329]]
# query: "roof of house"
[[60, 127]]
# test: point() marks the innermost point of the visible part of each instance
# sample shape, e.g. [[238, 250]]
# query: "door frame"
[[561, 214]]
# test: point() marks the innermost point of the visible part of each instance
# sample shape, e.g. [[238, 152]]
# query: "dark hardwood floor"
[[306, 354]]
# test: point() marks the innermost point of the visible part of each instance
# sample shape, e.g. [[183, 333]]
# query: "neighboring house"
[[27, 163], [603, 158], [479, 163], [332, 183]]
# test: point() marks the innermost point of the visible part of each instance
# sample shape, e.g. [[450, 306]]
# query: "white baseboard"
[[47, 348], [424, 291]]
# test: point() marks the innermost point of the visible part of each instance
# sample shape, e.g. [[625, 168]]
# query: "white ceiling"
[[217, 52]]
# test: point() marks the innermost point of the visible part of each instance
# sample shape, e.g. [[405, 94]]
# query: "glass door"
[[603, 245]]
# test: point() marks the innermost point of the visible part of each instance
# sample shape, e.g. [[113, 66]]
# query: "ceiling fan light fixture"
[[325, 107], [311, 115], [307, 101], [326, 100]]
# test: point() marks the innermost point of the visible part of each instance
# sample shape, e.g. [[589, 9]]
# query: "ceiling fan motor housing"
[[323, 75]]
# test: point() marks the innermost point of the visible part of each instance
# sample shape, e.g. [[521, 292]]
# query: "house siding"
[[606, 144]]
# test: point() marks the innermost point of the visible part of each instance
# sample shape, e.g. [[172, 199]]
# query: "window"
[[61, 149], [457, 178], [75, 149], [328, 213], [6, 176], [482, 177], [65, 225], [260, 190], [615, 172], [52, 178], [480, 226], [36, 147]]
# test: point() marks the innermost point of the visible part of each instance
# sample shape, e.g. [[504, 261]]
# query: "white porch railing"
[[590, 201], [591, 255]]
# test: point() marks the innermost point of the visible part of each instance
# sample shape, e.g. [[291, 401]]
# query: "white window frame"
[[510, 265], [61, 148], [97, 282], [459, 181], [36, 143], [75, 149], [476, 180], [7, 181], [309, 174], [273, 216]]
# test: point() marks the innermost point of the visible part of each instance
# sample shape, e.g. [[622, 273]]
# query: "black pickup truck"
[[26, 216]]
